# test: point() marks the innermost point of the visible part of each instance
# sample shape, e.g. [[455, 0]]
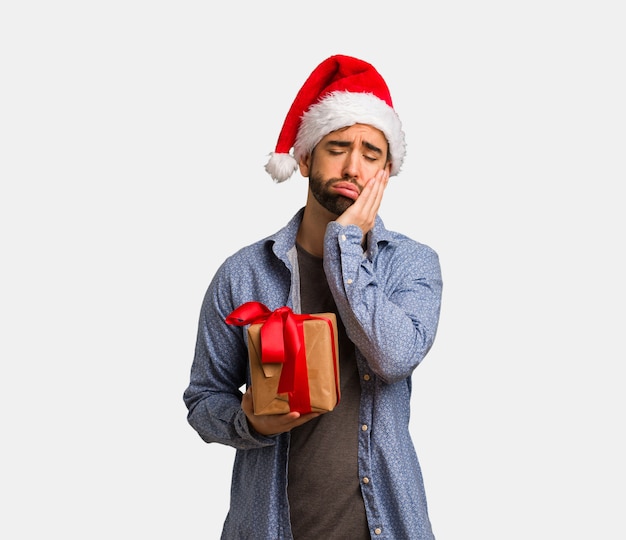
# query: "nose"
[[351, 166]]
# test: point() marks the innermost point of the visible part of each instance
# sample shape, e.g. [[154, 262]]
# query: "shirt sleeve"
[[389, 298], [218, 371]]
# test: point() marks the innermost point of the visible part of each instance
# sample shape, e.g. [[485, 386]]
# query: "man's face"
[[342, 163]]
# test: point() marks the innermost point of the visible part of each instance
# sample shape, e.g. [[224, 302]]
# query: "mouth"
[[346, 189]]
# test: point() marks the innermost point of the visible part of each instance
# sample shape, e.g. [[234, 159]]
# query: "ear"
[[305, 165]]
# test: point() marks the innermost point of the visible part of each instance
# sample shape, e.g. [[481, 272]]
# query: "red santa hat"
[[340, 92]]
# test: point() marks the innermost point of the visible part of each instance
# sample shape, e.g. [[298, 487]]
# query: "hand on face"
[[363, 211]]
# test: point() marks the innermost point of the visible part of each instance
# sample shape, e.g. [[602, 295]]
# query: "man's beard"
[[335, 204]]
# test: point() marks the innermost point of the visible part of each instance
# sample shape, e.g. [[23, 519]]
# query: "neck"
[[313, 227]]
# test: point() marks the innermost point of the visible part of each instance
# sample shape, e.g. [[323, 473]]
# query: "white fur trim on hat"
[[342, 109]]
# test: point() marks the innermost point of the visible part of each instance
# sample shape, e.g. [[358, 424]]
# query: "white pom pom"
[[281, 166]]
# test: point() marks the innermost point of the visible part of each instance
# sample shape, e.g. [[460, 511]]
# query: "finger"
[[378, 190], [372, 195]]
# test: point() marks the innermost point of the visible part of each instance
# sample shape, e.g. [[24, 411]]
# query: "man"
[[351, 473]]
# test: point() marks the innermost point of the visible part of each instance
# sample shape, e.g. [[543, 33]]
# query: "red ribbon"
[[282, 341]]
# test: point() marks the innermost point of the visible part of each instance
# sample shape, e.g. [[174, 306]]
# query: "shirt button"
[[378, 530], [366, 377], [366, 480], [364, 427], [343, 237], [349, 281]]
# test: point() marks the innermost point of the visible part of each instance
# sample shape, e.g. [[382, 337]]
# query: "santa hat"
[[340, 92]]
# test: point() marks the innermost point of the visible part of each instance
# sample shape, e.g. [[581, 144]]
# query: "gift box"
[[294, 359]]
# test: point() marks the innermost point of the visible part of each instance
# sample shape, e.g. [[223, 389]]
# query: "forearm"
[[219, 370], [391, 308], [219, 418]]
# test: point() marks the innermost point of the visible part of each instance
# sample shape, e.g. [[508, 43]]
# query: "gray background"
[[133, 137]]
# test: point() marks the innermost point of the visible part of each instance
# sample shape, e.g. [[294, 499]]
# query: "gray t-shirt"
[[324, 491]]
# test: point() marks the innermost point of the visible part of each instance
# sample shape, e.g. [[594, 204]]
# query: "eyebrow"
[[346, 144]]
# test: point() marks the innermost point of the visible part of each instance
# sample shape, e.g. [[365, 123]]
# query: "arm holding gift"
[[218, 410], [220, 370]]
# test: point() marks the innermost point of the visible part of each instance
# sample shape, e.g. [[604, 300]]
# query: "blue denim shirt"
[[389, 299]]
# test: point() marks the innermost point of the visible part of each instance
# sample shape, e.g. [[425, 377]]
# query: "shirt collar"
[[285, 239]]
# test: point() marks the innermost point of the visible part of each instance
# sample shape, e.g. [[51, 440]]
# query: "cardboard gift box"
[[294, 359]]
